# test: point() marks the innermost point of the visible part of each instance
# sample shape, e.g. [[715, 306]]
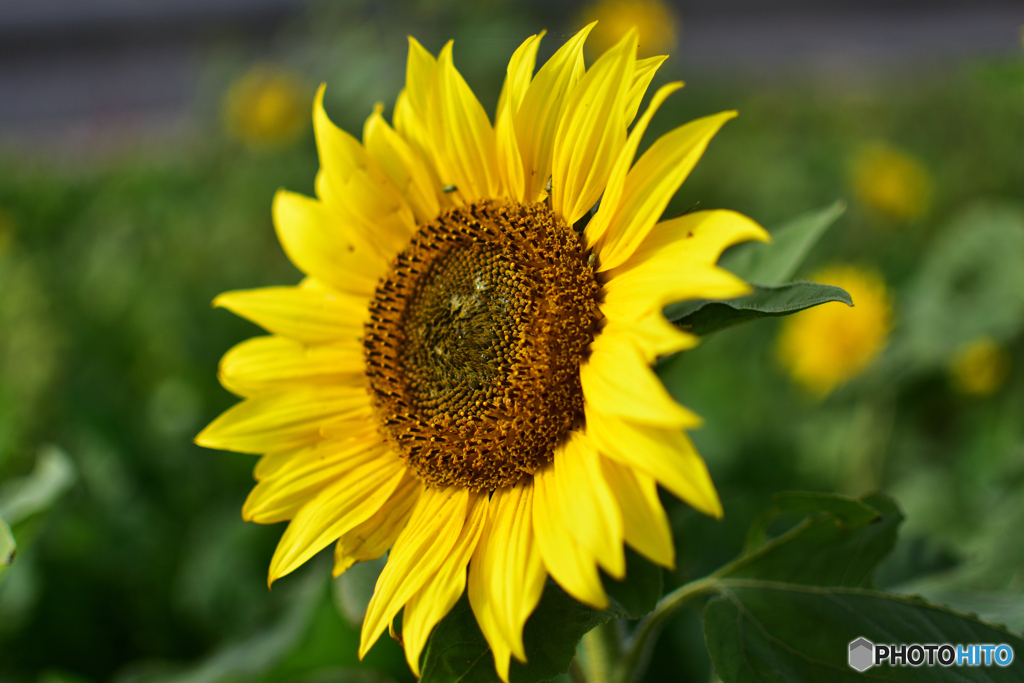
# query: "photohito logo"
[[864, 654]]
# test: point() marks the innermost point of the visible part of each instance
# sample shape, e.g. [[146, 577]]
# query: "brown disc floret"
[[474, 343]]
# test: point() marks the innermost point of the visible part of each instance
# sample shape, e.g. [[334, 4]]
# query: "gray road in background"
[[98, 74]]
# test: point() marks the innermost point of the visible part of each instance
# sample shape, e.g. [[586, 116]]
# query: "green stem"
[[637, 653], [600, 653]]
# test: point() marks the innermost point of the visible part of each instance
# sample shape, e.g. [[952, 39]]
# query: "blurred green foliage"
[[142, 570]]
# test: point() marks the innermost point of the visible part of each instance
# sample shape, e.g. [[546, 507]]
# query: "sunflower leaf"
[[790, 607], [763, 630], [704, 316], [839, 542], [457, 650], [773, 263]]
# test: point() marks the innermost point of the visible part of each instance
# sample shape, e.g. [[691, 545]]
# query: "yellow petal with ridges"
[[418, 553], [282, 421], [419, 77], [651, 184], [591, 132], [322, 246], [304, 314], [697, 238], [565, 560], [506, 576], [645, 524], [519, 73], [348, 502], [542, 107], [652, 335], [441, 591], [517, 80], [598, 225], [617, 380], [352, 185], [591, 512], [371, 539], [668, 455], [643, 74], [267, 363], [281, 497], [403, 165], [462, 139], [280, 462], [654, 284]]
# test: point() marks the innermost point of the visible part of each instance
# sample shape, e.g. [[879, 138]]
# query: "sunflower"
[[464, 376]]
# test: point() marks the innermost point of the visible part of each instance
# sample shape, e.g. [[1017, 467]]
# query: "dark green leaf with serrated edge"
[[762, 631], [840, 543], [773, 263], [457, 650], [640, 591], [704, 316]]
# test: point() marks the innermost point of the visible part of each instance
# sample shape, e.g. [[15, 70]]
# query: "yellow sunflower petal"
[[351, 184], [651, 184], [281, 497], [419, 77], [592, 515], [695, 238], [304, 314], [658, 282], [591, 132], [668, 455], [517, 80], [282, 421], [617, 380], [371, 539], [565, 560], [643, 74], [403, 165], [317, 243], [506, 576], [652, 335], [441, 591], [461, 135], [645, 524], [352, 499], [598, 225], [542, 107], [263, 363], [418, 553]]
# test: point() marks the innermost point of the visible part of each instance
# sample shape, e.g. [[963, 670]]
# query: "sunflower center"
[[474, 343]]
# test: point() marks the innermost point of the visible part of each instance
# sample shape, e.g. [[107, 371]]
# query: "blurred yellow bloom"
[[980, 367], [267, 106], [825, 346], [654, 20], [890, 182]]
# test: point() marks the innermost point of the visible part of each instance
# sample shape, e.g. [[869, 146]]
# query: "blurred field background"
[[140, 146]]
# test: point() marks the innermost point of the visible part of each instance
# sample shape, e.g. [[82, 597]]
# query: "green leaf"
[[774, 263], [7, 545], [768, 631], [704, 316], [457, 650], [52, 476], [840, 542]]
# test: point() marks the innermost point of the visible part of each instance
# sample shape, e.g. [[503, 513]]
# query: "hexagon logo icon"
[[862, 654]]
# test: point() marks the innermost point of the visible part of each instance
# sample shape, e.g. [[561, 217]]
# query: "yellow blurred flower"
[[268, 106], [891, 182], [828, 345], [654, 20], [980, 367]]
